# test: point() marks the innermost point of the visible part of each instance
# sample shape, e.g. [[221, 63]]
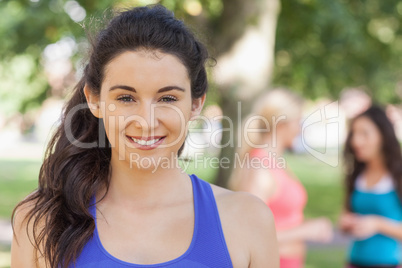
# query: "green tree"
[[26, 28], [324, 46]]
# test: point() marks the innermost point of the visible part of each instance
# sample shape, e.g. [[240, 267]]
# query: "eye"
[[168, 98], [125, 98]]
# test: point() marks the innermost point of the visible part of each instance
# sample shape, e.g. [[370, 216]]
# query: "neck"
[[274, 144], [376, 165], [139, 186]]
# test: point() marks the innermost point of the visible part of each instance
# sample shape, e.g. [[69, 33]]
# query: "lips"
[[146, 143]]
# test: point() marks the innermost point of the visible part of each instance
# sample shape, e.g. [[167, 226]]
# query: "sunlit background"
[[341, 55]]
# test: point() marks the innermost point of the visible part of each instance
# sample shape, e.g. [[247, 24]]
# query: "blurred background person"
[[275, 123], [373, 209]]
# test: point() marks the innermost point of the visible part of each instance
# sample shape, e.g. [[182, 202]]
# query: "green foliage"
[[27, 27], [321, 46], [324, 46], [23, 85]]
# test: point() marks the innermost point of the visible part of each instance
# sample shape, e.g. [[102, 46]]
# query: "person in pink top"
[[261, 170]]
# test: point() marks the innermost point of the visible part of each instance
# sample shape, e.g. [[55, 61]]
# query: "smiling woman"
[[144, 82], [151, 93]]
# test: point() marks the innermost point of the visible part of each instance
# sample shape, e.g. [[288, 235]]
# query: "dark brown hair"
[[391, 151], [74, 170]]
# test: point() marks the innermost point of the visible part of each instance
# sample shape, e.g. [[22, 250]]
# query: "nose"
[[146, 118]]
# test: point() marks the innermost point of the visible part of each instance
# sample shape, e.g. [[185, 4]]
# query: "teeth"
[[142, 142]]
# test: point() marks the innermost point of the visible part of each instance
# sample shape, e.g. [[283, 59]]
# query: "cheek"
[[293, 130], [360, 146], [176, 116], [357, 140], [116, 117], [171, 117], [375, 143], [353, 142], [114, 122], [296, 128], [367, 144], [173, 121]]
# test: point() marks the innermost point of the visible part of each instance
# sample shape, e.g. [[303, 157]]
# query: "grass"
[[5, 256], [323, 184], [18, 178], [329, 257]]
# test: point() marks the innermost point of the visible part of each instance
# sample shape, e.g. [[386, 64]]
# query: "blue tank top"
[[207, 249], [378, 249]]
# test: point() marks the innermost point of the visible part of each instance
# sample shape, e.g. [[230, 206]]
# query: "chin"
[[151, 160], [362, 158]]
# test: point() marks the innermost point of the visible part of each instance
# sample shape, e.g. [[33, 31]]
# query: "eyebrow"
[[164, 89]]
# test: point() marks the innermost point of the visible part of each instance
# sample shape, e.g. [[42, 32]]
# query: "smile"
[[146, 143]]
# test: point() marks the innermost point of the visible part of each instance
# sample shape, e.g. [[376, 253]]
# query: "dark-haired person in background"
[[373, 212], [111, 192]]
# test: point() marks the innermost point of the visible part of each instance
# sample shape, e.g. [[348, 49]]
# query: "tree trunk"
[[245, 70]]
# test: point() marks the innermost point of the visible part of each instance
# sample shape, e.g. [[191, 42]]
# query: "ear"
[[197, 105], [93, 102]]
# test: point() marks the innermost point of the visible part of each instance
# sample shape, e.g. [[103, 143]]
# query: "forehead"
[[146, 68], [364, 122]]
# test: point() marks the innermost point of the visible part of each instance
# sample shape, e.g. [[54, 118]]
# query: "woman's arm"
[[390, 227], [368, 225], [317, 230], [260, 234], [346, 221], [22, 250]]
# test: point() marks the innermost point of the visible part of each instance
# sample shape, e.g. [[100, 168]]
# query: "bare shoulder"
[[249, 228], [22, 248], [20, 218], [240, 204]]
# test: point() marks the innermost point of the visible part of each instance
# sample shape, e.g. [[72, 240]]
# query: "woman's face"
[[293, 128], [366, 140], [288, 130], [146, 104]]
